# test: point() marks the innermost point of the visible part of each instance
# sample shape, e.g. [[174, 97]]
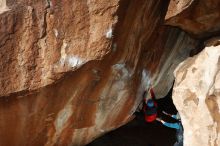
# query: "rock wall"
[[174, 46], [196, 96], [73, 70], [41, 40], [196, 90], [198, 17]]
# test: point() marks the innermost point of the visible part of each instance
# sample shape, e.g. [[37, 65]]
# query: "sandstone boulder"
[[198, 17], [196, 96], [71, 70]]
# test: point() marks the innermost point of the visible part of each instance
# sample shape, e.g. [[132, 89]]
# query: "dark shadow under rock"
[[140, 133]]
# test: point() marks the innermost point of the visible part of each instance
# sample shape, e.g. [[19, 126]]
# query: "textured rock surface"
[[174, 46], [42, 39], [73, 70], [197, 97], [199, 17], [70, 70]]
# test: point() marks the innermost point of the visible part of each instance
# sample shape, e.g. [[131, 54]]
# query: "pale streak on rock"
[[69, 60], [62, 118], [145, 84], [63, 53], [109, 33], [118, 91], [180, 50], [56, 33], [45, 72], [74, 61], [3, 6], [61, 122]]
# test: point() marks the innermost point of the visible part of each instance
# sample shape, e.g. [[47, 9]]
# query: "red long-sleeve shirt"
[[150, 113]]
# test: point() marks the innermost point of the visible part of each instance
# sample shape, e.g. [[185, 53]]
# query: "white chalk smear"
[[109, 34], [56, 32]]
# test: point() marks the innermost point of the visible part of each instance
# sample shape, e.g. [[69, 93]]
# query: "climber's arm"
[[173, 116], [170, 125], [152, 94]]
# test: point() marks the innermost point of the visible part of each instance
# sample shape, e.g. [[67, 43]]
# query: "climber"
[[177, 125], [150, 107], [150, 111]]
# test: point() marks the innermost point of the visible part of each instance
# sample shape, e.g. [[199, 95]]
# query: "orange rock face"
[[46, 38], [199, 17]]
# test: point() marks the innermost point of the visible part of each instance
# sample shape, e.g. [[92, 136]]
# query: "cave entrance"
[[140, 133]]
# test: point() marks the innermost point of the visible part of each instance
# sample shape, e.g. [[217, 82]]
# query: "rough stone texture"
[[71, 70], [174, 46], [197, 97], [199, 17], [42, 39]]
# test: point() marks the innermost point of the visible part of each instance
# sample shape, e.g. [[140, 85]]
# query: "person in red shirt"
[[150, 108]]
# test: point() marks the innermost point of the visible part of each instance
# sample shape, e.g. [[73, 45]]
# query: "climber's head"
[[150, 103]]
